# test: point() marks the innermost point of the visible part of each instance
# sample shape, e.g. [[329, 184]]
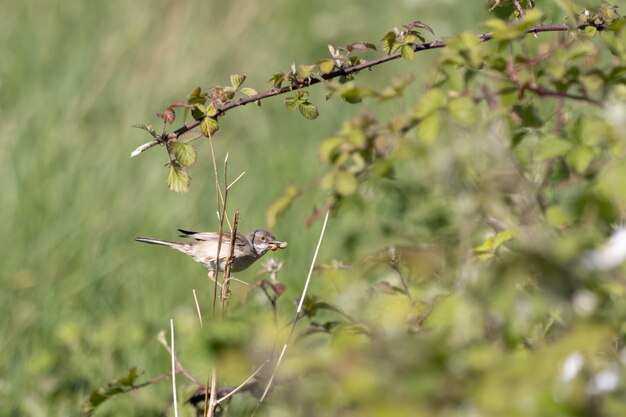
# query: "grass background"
[[80, 301]]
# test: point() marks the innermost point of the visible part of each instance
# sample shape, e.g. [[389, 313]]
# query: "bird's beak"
[[277, 245]]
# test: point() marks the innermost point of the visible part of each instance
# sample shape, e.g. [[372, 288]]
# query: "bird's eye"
[[263, 238]]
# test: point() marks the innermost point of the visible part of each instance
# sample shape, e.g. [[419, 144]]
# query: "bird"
[[249, 247]]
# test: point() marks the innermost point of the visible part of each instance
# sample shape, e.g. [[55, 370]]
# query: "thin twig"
[[197, 306], [218, 193], [173, 368], [229, 262], [486, 37], [240, 386], [212, 402], [519, 8], [153, 380], [302, 297], [236, 179], [181, 369], [206, 396], [541, 91], [222, 214]]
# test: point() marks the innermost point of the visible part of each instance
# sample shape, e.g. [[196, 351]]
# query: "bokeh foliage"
[[469, 194]]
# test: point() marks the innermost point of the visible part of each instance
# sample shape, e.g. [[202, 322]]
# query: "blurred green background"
[[80, 301]]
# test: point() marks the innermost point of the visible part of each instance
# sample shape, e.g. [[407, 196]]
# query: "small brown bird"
[[248, 247]]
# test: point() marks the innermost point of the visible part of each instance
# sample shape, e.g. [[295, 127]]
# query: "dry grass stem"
[[236, 179], [179, 367], [242, 384], [211, 408], [195, 298], [173, 355], [298, 310], [229, 262]]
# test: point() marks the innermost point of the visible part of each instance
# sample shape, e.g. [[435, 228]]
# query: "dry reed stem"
[[242, 384], [180, 368], [298, 310], [195, 298], [173, 368], [212, 403]]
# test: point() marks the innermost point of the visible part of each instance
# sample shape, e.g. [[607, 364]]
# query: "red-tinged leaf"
[[419, 25], [313, 217], [360, 46], [168, 116], [279, 289], [177, 103]]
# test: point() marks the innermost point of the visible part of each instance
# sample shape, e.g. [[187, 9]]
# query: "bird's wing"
[[208, 236], [213, 237]]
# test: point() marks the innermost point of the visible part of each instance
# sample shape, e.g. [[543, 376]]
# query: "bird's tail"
[[174, 245]]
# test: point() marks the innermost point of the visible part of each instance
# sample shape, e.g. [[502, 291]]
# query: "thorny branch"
[[436, 44]]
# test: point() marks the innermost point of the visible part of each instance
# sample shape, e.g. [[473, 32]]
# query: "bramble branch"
[[436, 44]]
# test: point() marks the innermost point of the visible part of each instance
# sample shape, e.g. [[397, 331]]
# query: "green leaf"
[[236, 80], [328, 147], [533, 17], [247, 91], [529, 115], [579, 158], [291, 102], [308, 110], [201, 107], [407, 53], [558, 216], [489, 248], [209, 126], [305, 71], [428, 128], [278, 78], [388, 42], [340, 182], [463, 110], [279, 206], [302, 95], [551, 146], [591, 30], [345, 183], [429, 102], [503, 237], [147, 128], [100, 395], [185, 154], [210, 110], [177, 179], [612, 182], [326, 66]]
